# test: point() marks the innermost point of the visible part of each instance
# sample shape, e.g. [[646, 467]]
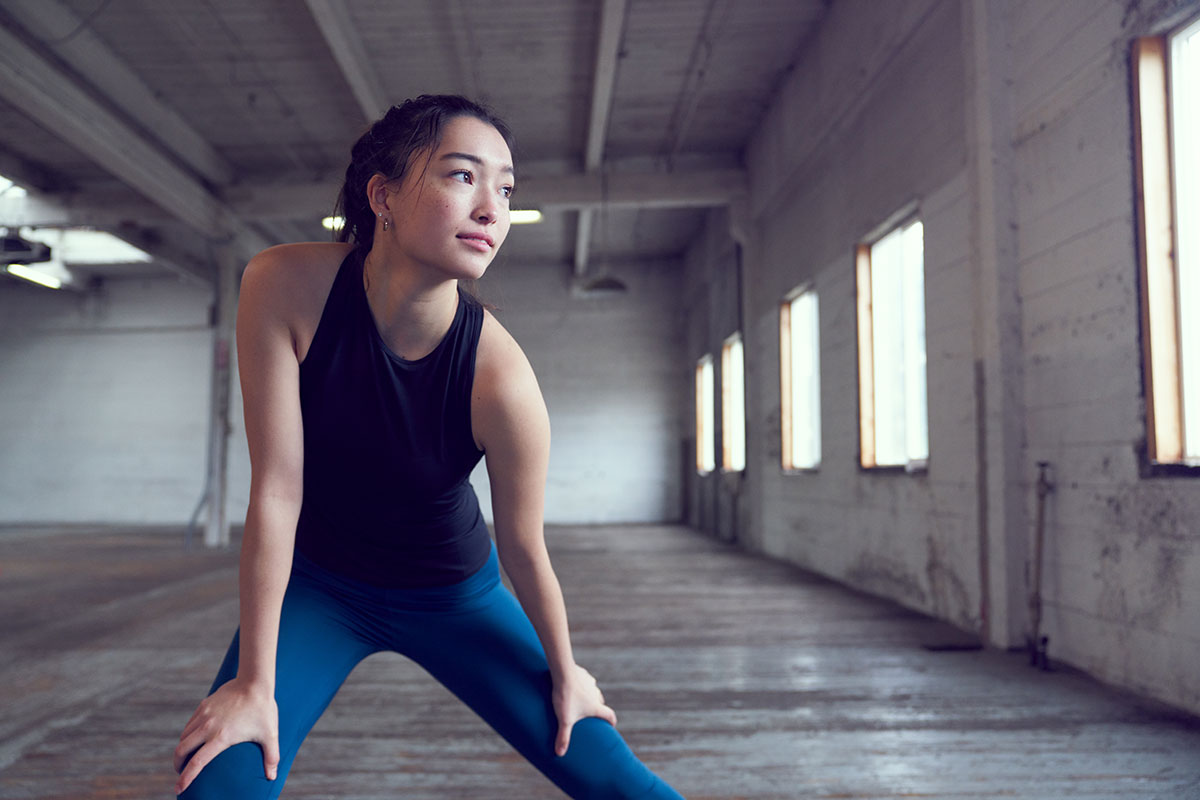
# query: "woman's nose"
[[488, 210]]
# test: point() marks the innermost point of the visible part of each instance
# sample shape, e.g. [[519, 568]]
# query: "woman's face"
[[451, 210]]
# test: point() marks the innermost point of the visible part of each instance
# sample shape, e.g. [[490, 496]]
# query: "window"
[[893, 424], [733, 405], [706, 460], [800, 381], [1167, 96]]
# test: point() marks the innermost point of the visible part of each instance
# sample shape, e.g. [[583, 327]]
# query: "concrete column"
[[228, 270], [999, 384], [751, 497]]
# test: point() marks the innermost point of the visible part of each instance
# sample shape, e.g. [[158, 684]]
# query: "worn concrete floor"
[[734, 677]]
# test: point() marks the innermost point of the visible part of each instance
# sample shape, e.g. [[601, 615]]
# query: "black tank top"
[[388, 448]]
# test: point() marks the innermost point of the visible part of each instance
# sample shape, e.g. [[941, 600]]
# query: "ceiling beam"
[[710, 188], [604, 77], [192, 267], [40, 89], [70, 40], [84, 207], [337, 27], [577, 192]]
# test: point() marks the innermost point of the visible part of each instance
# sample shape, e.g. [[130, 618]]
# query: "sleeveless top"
[[388, 448]]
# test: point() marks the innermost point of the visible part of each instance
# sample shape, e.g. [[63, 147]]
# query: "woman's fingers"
[[235, 713], [563, 740], [201, 757], [270, 749], [196, 720]]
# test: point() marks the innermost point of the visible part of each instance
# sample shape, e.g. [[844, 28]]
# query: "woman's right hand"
[[239, 711]]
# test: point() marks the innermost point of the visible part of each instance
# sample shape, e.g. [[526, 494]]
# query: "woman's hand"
[[238, 711], [577, 696]]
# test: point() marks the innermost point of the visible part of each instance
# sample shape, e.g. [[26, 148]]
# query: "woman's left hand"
[[577, 696]]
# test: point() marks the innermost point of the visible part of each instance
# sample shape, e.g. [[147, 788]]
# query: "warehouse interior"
[[880, 309]]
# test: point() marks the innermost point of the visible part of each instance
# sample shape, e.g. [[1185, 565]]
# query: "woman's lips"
[[480, 241]]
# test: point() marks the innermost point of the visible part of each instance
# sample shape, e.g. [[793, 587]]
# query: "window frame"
[[868, 458], [733, 430], [706, 457], [1166, 422], [787, 384]]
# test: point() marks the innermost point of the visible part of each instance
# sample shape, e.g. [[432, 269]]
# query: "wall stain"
[[885, 577], [951, 600], [1145, 553]]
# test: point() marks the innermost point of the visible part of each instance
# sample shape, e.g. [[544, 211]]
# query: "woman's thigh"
[[491, 658], [320, 642]]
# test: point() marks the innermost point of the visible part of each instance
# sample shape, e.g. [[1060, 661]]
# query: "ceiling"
[[180, 123]]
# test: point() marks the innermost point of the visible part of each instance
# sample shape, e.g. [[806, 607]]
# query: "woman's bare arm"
[[244, 709], [512, 426]]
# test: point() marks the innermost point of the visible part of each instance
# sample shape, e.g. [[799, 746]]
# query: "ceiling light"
[[524, 217], [84, 246], [30, 274], [333, 223]]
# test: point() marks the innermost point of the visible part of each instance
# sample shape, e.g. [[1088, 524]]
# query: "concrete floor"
[[734, 677]]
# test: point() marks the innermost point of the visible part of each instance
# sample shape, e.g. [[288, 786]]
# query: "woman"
[[372, 386]]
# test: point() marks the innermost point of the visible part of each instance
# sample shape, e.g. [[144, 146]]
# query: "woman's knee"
[[599, 764], [235, 774]]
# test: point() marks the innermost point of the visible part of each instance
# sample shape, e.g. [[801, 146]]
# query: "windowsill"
[[915, 468], [1151, 469]]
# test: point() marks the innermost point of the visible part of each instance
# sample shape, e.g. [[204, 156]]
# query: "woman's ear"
[[377, 195]]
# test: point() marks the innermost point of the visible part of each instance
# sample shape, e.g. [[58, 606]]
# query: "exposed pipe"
[[1037, 643]]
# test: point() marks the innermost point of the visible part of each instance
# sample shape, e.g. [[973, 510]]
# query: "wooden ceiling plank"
[[45, 93], [346, 44], [49, 20]]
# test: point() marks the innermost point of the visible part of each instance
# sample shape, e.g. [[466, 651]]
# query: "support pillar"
[[999, 381], [228, 268]]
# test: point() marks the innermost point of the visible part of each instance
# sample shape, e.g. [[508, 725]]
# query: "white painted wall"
[[1008, 126], [609, 370], [1123, 552], [105, 402], [105, 399]]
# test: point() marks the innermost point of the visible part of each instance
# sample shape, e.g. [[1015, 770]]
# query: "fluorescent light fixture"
[[33, 275], [10, 189], [333, 223], [83, 246], [524, 217]]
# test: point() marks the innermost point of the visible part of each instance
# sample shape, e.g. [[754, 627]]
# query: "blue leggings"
[[472, 636]]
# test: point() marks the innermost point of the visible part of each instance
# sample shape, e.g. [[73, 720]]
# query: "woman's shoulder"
[[498, 351], [506, 397], [293, 276], [297, 264], [501, 367], [289, 283]]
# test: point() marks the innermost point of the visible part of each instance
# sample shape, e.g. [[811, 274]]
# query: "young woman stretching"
[[372, 386]]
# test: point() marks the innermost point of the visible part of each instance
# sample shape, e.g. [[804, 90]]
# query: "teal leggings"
[[472, 636]]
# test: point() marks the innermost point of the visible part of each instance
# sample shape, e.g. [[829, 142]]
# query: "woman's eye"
[[461, 175], [507, 191]]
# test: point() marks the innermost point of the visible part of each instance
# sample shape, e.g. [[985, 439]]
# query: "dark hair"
[[388, 147]]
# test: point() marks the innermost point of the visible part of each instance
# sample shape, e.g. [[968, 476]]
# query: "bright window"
[[800, 381], [893, 420], [733, 405], [1167, 84], [706, 460]]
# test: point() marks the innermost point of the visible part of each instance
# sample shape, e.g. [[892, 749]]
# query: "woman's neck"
[[412, 312]]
